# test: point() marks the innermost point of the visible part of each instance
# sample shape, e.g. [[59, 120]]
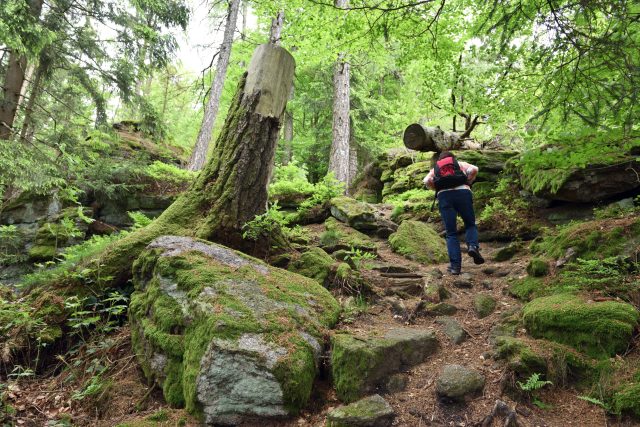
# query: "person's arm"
[[428, 180], [470, 170]]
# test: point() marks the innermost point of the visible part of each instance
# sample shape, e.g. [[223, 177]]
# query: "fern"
[[533, 383]]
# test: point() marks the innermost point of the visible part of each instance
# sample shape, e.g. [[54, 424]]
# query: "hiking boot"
[[474, 252], [453, 270]]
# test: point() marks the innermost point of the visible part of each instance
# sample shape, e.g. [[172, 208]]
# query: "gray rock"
[[462, 283], [403, 287], [440, 309], [372, 411], [456, 382], [452, 329]]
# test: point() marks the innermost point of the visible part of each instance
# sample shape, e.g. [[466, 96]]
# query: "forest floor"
[[130, 402]]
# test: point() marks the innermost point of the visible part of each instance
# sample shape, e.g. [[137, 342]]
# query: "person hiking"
[[451, 180]]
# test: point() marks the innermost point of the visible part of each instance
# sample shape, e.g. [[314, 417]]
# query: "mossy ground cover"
[[340, 236]]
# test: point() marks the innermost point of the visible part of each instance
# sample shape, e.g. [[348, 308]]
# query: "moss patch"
[[484, 305], [526, 287], [599, 329], [315, 264], [418, 241], [341, 236], [538, 267]]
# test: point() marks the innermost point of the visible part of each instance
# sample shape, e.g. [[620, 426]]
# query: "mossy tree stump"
[[232, 188]]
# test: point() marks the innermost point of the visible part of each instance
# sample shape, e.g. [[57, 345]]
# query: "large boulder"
[[599, 329], [360, 364], [358, 215], [224, 334], [418, 241]]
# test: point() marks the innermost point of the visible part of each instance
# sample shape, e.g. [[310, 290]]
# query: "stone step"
[[402, 275], [386, 268]]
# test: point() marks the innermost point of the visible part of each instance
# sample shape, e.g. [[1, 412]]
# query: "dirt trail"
[[418, 405]]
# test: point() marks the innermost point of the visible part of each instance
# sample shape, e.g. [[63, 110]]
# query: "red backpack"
[[447, 174]]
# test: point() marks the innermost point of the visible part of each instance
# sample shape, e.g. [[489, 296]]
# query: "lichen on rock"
[[224, 334]]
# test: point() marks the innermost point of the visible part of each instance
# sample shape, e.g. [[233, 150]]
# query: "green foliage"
[[533, 383], [139, 219], [361, 259], [11, 245], [323, 191], [165, 172], [290, 179], [266, 224]]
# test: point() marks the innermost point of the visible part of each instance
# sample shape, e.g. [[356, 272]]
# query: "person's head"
[[445, 154]]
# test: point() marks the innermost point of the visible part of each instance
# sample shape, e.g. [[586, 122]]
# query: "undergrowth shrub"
[[290, 179]]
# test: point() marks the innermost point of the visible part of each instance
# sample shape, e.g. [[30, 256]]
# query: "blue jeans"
[[451, 204]]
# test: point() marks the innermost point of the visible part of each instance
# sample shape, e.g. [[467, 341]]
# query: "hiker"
[[451, 180]]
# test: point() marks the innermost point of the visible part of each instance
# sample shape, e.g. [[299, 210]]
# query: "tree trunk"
[[199, 155], [288, 137], [339, 160], [26, 133], [95, 94], [232, 189], [423, 138], [13, 81]]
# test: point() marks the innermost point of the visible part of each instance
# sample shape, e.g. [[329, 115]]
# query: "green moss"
[[352, 359], [315, 264], [484, 305], [356, 214], [418, 241], [538, 267], [627, 399], [600, 329], [596, 239], [42, 253], [339, 235], [526, 287]]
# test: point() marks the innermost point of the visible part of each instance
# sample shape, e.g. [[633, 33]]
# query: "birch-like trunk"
[[340, 150], [199, 155], [339, 162]]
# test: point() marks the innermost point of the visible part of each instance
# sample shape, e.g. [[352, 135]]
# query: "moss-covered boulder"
[[599, 329], [315, 264], [372, 411], [358, 215], [484, 305], [538, 267], [64, 229], [627, 399], [224, 334], [359, 364], [556, 362], [418, 241], [507, 252], [340, 236]]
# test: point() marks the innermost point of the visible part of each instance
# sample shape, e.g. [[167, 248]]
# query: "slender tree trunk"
[[96, 95], [339, 160], [288, 137], [13, 81], [199, 155], [26, 133]]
